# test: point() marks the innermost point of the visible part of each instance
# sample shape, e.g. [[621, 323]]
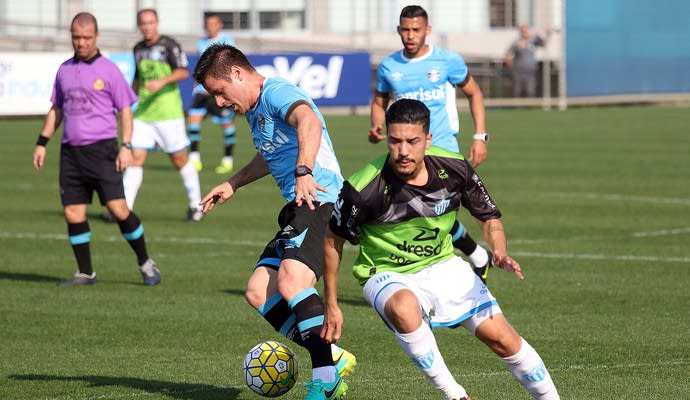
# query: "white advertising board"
[[26, 81]]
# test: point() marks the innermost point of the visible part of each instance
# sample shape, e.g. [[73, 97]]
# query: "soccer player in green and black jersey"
[[400, 209]]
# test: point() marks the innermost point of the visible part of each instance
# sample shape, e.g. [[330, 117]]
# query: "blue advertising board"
[[331, 79]]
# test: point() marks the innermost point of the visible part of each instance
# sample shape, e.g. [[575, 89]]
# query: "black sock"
[[133, 231], [308, 308], [228, 150], [80, 238], [194, 135], [277, 312]]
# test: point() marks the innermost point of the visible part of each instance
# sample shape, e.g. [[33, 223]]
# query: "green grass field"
[[596, 203]]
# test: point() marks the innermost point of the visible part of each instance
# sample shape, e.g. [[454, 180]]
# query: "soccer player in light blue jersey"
[[203, 104], [430, 74], [294, 147]]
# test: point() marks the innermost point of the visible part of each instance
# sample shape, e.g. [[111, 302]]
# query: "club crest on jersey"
[[262, 123], [442, 174], [98, 84], [434, 75], [397, 76], [441, 206]]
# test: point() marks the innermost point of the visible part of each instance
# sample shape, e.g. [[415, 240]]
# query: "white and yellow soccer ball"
[[270, 369]]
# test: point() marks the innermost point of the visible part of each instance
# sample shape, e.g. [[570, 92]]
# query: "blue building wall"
[[627, 47]]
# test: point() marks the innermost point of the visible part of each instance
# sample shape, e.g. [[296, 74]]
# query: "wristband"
[[484, 137], [42, 141]]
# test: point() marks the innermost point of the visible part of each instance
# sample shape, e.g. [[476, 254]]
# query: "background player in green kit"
[[159, 117], [430, 74], [400, 209]]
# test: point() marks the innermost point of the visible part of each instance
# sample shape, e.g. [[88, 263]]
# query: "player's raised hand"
[[508, 264], [306, 190], [219, 194], [375, 134]]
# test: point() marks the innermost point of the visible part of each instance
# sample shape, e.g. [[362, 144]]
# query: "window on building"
[[278, 20], [233, 20], [502, 13]]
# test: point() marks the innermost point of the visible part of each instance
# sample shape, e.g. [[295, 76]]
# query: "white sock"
[[132, 180], [195, 155], [227, 159], [420, 346], [326, 374], [479, 257], [528, 369], [190, 179]]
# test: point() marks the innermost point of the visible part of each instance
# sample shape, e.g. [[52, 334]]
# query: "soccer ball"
[[270, 369]]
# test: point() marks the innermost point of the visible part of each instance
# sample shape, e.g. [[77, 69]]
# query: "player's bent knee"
[[499, 336]]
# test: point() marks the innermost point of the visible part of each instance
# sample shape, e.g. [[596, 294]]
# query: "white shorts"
[[170, 136], [449, 293]]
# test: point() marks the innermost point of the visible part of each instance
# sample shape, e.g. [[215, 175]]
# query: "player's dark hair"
[[414, 12], [217, 61], [84, 19], [144, 10], [408, 111]]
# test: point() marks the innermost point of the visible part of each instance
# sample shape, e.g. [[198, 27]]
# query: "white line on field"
[[260, 244], [621, 197]]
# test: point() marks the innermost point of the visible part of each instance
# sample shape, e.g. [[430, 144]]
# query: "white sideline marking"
[[260, 244], [620, 197]]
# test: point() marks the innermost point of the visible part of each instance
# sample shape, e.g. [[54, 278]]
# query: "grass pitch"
[[596, 203]]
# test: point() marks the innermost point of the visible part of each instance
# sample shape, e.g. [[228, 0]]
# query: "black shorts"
[[203, 102], [300, 237], [84, 169]]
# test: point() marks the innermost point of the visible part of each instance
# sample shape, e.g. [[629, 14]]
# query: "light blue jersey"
[[430, 79], [276, 140], [204, 43]]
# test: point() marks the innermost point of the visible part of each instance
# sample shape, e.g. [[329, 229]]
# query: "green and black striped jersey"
[[401, 227]]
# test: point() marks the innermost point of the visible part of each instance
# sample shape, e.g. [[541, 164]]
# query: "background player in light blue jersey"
[[430, 74], [203, 104], [293, 146]]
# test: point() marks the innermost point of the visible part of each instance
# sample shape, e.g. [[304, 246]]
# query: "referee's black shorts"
[[300, 237], [84, 169]]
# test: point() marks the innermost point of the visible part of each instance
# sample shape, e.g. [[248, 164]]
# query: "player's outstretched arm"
[[494, 234], [256, 169], [333, 316]]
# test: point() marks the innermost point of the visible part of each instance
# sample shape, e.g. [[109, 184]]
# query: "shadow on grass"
[[355, 302], [183, 391], [27, 277]]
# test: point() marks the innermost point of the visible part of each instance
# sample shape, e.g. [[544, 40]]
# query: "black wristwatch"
[[127, 145], [302, 170]]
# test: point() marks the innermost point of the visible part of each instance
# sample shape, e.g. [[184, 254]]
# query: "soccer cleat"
[[345, 362], [198, 165], [483, 272], [225, 167], [150, 273], [318, 390], [195, 214], [79, 279]]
